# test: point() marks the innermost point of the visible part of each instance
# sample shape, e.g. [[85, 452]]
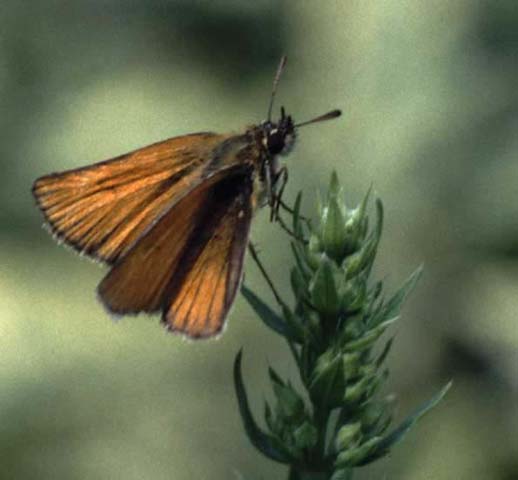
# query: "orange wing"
[[189, 264], [204, 288], [103, 209]]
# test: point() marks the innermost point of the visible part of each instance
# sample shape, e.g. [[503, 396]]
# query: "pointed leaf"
[[290, 405], [362, 208], [302, 266], [268, 416], [266, 444], [393, 306], [275, 377], [294, 326], [370, 336], [383, 355], [297, 227], [397, 435], [379, 216], [298, 285], [265, 313]]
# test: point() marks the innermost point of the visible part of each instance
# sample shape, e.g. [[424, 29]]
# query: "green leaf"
[[298, 254], [376, 418], [379, 218], [323, 289], [268, 316], [290, 404], [383, 355], [375, 291], [268, 416], [275, 377], [298, 285], [327, 385], [297, 227], [266, 444], [369, 337], [393, 306], [397, 434], [362, 209], [303, 269], [294, 325]]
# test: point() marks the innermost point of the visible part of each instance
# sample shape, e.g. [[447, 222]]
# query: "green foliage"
[[337, 319]]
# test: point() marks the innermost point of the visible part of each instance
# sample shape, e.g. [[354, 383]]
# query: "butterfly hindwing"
[[205, 285], [189, 264]]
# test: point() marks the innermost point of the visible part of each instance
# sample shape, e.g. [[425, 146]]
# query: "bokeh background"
[[429, 92]]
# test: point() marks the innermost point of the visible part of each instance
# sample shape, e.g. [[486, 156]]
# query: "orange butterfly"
[[172, 219]]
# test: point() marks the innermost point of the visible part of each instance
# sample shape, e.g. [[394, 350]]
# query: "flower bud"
[[348, 436], [305, 436], [351, 363], [327, 380], [354, 456]]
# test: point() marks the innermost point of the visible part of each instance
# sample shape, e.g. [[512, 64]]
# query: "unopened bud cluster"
[[338, 316]]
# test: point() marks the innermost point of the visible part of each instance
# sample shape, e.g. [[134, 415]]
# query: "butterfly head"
[[279, 137]]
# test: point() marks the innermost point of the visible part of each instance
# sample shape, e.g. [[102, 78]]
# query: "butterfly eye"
[[275, 142]]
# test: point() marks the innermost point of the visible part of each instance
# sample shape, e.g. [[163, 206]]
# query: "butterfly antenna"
[[280, 68], [327, 116]]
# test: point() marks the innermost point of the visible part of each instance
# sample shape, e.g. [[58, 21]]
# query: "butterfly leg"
[[268, 185], [281, 177], [275, 199], [291, 211], [255, 256], [289, 231]]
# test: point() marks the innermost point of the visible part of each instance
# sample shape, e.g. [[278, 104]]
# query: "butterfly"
[[172, 219]]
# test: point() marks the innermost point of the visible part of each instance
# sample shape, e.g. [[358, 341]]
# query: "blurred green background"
[[429, 92]]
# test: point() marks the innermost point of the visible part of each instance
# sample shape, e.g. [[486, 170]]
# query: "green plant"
[[340, 422]]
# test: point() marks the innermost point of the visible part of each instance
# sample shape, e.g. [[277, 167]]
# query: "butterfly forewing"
[[103, 209]]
